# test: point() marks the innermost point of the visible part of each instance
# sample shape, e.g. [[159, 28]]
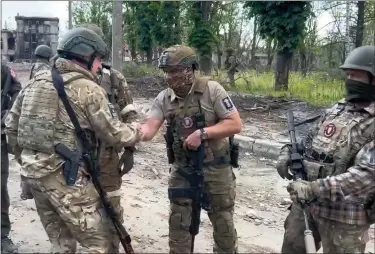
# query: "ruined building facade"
[[8, 45], [32, 32]]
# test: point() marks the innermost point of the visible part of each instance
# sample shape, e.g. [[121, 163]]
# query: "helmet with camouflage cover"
[[361, 58], [92, 27], [43, 51], [178, 55], [99, 32], [81, 41]]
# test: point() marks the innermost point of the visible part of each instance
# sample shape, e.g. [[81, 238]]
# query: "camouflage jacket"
[[38, 119], [38, 66]]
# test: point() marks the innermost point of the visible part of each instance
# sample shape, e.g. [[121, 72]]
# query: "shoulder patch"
[[13, 73], [227, 102]]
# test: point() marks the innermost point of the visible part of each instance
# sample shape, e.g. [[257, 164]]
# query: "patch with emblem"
[[187, 122], [227, 102], [329, 130], [13, 73], [113, 111]]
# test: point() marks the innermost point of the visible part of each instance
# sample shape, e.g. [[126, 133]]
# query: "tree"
[[202, 36], [284, 22], [95, 12]]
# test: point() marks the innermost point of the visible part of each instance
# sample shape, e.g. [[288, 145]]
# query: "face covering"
[[357, 91], [181, 82]]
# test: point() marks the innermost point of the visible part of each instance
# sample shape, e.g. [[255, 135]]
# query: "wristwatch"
[[204, 135]]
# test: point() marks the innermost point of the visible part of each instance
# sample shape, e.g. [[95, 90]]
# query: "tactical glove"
[[284, 161], [302, 191], [126, 162]]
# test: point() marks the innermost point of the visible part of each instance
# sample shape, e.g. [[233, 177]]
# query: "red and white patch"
[[187, 122], [329, 130], [13, 73]]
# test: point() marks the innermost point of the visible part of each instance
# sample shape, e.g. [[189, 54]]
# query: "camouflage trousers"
[[219, 184], [111, 182], [334, 236], [70, 213]]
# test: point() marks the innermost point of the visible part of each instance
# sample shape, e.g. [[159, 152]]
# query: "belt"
[[221, 160]]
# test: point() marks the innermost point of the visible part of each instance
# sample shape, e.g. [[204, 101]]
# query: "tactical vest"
[[109, 82], [183, 122], [40, 128], [37, 67], [333, 149]]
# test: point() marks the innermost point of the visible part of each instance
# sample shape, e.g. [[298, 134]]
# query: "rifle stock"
[[299, 173]]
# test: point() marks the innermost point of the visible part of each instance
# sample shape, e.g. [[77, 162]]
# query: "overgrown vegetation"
[[267, 37]]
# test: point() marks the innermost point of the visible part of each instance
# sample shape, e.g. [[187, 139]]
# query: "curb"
[[261, 147]]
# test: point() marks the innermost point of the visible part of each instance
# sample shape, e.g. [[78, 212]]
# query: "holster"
[[234, 152], [126, 162]]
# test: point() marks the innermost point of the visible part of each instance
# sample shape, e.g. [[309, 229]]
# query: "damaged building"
[[32, 32], [8, 45]]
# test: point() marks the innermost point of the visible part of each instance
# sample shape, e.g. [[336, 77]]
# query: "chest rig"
[[334, 147], [183, 121]]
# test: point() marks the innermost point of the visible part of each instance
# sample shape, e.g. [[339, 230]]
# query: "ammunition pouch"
[[234, 152], [318, 170]]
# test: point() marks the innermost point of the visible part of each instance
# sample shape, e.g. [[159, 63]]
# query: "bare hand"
[[193, 141]]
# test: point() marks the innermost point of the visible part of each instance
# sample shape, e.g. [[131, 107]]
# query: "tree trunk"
[[303, 62], [219, 54], [360, 24], [253, 45], [205, 65], [282, 70], [270, 50], [149, 56]]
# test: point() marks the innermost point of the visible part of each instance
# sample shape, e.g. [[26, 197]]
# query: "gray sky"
[[60, 9]]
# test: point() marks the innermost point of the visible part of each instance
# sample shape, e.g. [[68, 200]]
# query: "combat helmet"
[[43, 51], [361, 58], [178, 55], [82, 42], [92, 27]]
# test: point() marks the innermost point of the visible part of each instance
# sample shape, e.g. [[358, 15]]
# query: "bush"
[[134, 70], [317, 88]]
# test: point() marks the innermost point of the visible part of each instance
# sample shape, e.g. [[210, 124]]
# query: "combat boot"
[[7, 246]]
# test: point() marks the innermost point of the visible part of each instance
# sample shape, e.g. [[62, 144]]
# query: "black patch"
[[113, 111], [227, 102]]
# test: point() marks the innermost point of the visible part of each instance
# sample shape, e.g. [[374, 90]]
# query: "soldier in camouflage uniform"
[[111, 167], [186, 96], [10, 87], [340, 164], [68, 213], [43, 53], [230, 65]]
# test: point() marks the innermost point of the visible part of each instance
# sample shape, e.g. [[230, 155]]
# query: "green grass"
[[317, 88]]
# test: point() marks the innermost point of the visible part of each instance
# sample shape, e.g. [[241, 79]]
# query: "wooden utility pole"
[[117, 36], [70, 13]]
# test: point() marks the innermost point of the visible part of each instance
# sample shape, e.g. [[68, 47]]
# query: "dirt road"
[[261, 201]]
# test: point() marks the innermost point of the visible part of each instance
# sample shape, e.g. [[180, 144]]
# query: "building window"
[[27, 46], [1, 44], [11, 43]]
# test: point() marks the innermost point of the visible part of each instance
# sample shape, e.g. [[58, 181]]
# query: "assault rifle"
[[299, 173], [198, 196], [91, 163]]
